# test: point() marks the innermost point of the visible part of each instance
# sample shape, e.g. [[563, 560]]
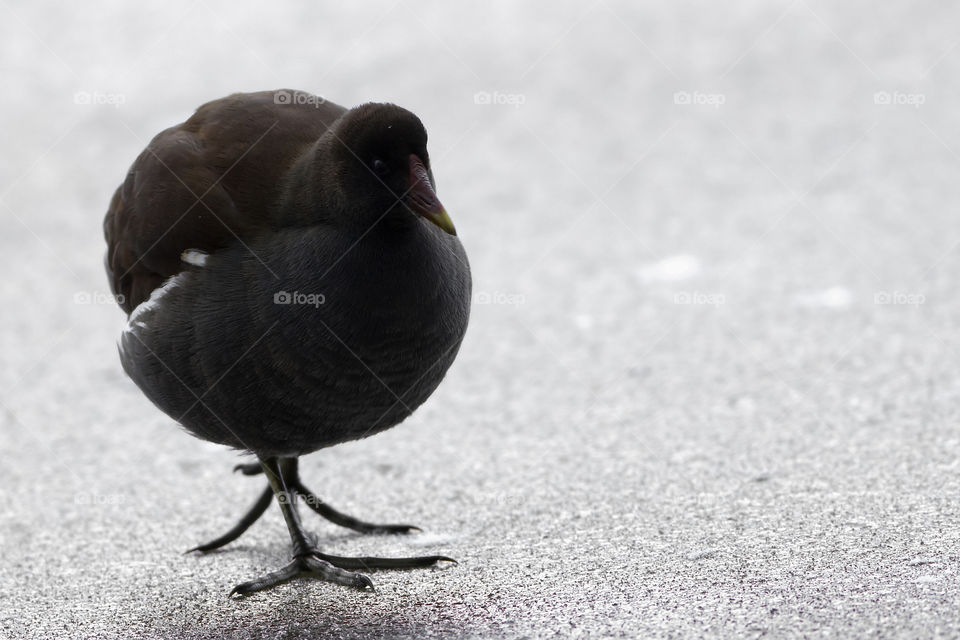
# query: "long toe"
[[368, 563], [252, 515], [339, 518], [272, 579]]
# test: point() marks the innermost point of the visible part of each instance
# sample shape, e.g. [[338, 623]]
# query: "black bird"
[[292, 282]]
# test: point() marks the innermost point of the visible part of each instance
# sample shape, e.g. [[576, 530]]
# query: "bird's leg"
[[304, 562], [336, 517], [292, 478], [307, 560]]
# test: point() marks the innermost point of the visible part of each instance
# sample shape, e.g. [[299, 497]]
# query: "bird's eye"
[[380, 167]]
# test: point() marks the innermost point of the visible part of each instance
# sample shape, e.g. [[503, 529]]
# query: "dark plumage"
[[292, 282]]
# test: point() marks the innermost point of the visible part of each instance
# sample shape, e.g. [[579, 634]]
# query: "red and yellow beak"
[[422, 199]]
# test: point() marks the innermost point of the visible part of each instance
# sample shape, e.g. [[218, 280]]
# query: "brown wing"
[[206, 182]]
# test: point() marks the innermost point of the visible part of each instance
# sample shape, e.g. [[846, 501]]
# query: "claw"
[[390, 529], [272, 579], [333, 573]]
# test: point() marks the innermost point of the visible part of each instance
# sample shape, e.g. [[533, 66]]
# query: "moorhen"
[[292, 282]]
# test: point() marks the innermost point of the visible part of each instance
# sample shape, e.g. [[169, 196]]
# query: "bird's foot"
[[336, 569], [307, 565], [307, 561]]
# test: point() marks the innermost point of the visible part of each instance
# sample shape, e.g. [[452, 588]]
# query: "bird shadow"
[[303, 608]]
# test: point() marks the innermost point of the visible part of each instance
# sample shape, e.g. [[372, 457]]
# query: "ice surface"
[[798, 159]]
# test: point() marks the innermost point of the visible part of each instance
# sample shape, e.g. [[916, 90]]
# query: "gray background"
[[709, 384]]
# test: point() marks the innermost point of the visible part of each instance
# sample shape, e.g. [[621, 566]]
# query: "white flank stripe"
[[153, 301]]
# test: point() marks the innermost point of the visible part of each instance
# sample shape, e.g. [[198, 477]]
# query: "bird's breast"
[[369, 338], [299, 341]]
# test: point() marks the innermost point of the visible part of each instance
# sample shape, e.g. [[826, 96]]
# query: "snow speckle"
[[583, 321], [703, 554], [832, 298], [672, 269], [917, 562]]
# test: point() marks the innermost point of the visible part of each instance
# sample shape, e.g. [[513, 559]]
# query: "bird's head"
[[380, 151]]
